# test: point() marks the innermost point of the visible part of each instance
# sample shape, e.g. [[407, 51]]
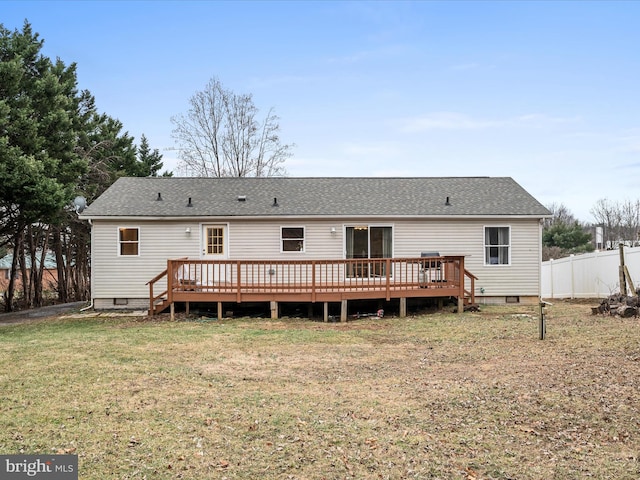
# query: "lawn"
[[471, 396]]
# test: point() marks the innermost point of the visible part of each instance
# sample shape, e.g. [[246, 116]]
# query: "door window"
[[214, 241]]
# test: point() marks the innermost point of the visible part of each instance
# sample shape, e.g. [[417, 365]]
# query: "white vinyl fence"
[[592, 275]]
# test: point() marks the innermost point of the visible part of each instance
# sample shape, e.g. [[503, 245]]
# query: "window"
[[129, 241], [215, 240], [364, 241], [292, 239], [496, 245]]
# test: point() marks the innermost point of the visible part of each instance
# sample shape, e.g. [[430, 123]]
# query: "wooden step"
[[160, 307]]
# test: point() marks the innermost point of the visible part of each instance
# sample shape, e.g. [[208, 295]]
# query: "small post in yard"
[[623, 280], [542, 325]]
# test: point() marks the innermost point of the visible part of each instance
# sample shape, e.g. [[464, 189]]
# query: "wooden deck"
[[217, 281]]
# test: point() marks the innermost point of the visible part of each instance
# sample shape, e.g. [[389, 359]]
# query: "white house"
[[140, 224]]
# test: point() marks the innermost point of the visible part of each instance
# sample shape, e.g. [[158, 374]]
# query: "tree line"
[[55, 145], [616, 222]]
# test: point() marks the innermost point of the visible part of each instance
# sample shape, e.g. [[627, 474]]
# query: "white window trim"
[[119, 242], [484, 246], [304, 240], [369, 227]]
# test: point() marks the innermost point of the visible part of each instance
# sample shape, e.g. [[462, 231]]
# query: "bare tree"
[[560, 214], [221, 136], [607, 215], [629, 218]]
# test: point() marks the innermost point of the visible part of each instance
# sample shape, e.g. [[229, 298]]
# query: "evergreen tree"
[[109, 153], [150, 161], [39, 166], [39, 163], [54, 145], [564, 239]]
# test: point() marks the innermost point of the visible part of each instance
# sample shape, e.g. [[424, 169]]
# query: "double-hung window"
[[497, 245], [128, 241], [292, 239]]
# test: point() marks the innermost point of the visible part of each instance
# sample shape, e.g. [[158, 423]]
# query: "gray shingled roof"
[[329, 196]]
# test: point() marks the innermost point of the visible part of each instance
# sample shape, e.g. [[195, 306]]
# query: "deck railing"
[[312, 280]]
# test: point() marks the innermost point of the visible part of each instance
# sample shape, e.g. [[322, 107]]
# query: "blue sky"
[[544, 92]]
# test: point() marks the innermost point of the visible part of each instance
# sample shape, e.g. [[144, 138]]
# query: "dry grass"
[[441, 396]]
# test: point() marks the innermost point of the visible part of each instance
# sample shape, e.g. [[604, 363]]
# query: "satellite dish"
[[80, 203]]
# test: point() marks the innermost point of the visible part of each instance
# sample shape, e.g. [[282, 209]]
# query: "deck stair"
[[158, 303], [160, 306]]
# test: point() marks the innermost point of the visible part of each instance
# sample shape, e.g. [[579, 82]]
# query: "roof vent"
[[159, 199], [242, 198], [189, 204], [275, 202], [447, 202]]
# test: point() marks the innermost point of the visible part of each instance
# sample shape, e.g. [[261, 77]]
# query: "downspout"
[[91, 279], [87, 308]]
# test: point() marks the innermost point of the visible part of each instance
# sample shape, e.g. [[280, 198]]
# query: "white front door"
[[214, 247]]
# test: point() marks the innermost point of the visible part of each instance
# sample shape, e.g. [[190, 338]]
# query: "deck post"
[[403, 306], [343, 311], [172, 309], [152, 307], [313, 282], [170, 281], [326, 312], [239, 277], [219, 310], [274, 310], [388, 279], [461, 279], [186, 308]]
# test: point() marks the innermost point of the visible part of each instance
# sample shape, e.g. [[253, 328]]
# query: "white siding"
[[116, 276], [126, 276], [261, 240], [466, 237]]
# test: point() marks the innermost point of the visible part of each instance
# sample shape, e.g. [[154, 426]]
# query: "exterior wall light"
[[187, 230], [333, 230]]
